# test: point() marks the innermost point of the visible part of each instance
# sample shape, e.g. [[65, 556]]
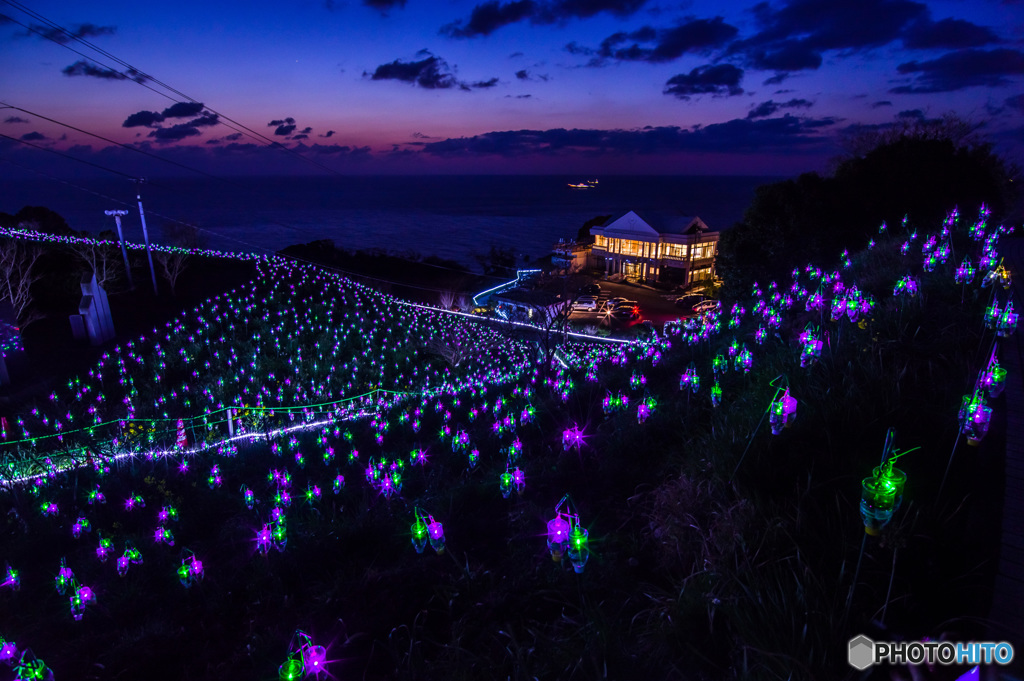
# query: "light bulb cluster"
[[272, 351]]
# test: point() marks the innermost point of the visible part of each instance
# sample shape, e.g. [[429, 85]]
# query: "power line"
[[141, 80], [254, 247], [215, 177], [107, 139], [142, 76], [62, 155]]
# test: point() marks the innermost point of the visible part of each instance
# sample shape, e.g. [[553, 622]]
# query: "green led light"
[[578, 538], [292, 669], [419, 529], [878, 495]]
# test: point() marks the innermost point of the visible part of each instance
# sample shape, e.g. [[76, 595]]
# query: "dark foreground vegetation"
[[718, 550]]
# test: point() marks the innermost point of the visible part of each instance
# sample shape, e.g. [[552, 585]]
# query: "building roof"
[[627, 226], [682, 225], [632, 226]]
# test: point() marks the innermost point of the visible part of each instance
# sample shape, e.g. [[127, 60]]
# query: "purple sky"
[[535, 86]]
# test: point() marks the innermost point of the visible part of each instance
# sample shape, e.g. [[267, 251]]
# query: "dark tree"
[[583, 236], [921, 171], [498, 260], [43, 220]]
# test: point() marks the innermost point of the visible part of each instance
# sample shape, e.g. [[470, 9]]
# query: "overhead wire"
[[144, 75], [196, 170], [242, 242], [141, 80]]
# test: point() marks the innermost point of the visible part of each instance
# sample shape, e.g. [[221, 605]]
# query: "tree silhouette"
[[921, 170]]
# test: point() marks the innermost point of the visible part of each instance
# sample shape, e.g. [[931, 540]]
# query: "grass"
[[700, 568]]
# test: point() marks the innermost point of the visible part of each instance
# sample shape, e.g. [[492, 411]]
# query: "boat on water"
[[586, 184]]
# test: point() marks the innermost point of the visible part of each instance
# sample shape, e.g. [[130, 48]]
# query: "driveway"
[[656, 306]]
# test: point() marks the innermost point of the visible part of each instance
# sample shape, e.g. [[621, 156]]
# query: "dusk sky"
[[537, 86]]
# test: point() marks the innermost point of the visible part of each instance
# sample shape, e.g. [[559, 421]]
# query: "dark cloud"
[[776, 79], [183, 110], [488, 17], [1015, 102], [205, 120], [561, 10], [739, 135], [911, 115], [384, 6], [300, 136], [335, 150], [792, 36], [284, 130], [87, 68], [306, 131], [717, 79], [962, 69], [233, 137], [662, 45], [523, 74], [765, 109], [15, 119], [421, 136], [174, 133], [576, 48], [330, 133], [431, 73], [879, 104], [142, 119], [786, 56], [33, 136], [59, 35], [284, 121], [236, 148], [947, 34]]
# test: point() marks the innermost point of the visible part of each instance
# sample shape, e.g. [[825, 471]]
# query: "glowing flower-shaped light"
[[782, 412], [572, 438], [881, 496], [965, 273], [690, 380]]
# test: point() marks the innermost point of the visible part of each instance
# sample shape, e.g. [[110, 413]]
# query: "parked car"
[[585, 303], [612, 302], [625, 304], [689, 300], [706, 306], [627, 312], [591, 290]]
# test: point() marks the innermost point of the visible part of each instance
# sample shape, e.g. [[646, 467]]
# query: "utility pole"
[[118, 214], [145, 233]]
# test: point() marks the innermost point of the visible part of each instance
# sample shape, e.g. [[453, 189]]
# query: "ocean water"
[[452, 217]]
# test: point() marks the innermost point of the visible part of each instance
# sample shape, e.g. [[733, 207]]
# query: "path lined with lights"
[[277, 345]]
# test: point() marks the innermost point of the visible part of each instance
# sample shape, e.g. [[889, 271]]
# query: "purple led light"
[[558, 531], [314, 659], [435, 530]]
